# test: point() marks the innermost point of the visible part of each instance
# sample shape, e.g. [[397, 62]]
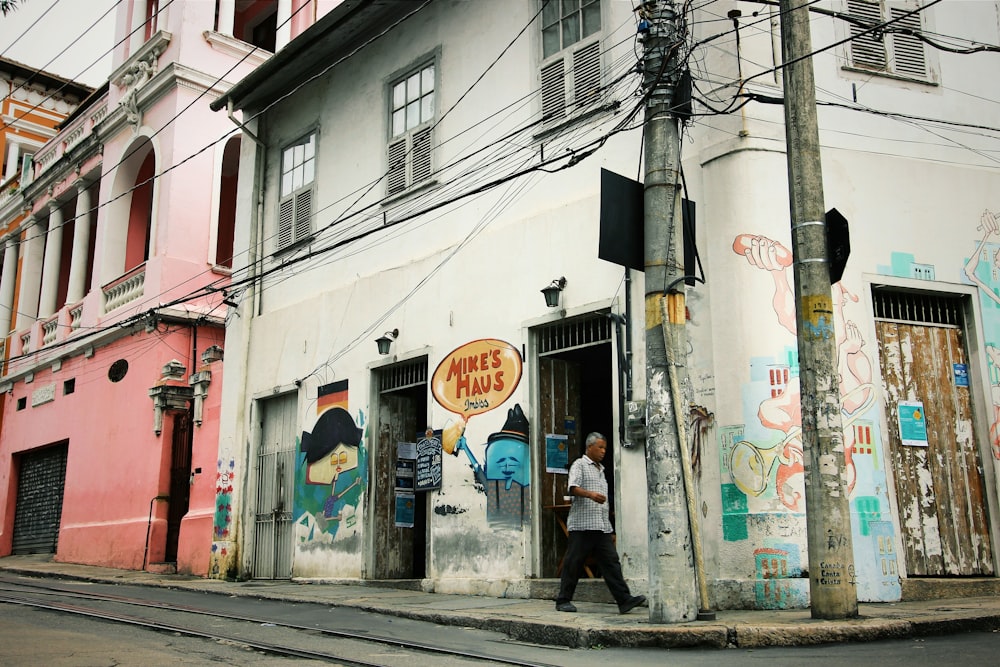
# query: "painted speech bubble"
[[477, 376]]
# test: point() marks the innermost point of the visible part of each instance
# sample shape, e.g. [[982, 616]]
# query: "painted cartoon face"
[[506, 459], [326, 470]]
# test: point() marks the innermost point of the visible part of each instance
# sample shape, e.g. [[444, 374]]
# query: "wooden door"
[[393, 554], [939, 488], [559, 384], [180, 481]]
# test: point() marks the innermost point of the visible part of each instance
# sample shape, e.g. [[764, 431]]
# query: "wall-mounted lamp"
[[552, 292], [385, 340]]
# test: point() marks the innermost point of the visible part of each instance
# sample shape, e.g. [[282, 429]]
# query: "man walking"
[[590, 530]]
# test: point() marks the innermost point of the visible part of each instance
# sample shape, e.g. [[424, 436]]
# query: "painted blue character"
[[507, 474]]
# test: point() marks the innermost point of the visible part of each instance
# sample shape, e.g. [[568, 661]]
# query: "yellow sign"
[[477, 376]]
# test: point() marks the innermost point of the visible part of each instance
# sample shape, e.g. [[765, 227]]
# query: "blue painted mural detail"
[[507, 475]]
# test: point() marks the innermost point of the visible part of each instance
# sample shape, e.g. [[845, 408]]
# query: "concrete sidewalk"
[[595, 624]]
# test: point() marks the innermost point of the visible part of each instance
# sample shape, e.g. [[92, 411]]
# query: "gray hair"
[[594, 437]]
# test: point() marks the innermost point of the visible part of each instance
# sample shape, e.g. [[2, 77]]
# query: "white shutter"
[[396, 176], [286, 219], [421, 156], [587, 75], [866, 51], [553, 91], [908, 51], [303, 214]]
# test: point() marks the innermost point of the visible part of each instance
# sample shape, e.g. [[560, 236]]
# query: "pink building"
[[116, 260]]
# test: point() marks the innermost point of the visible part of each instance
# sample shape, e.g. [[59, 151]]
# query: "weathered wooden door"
[[275, 474], [180, 481], [939, 487], [559, 384], [393, 554]]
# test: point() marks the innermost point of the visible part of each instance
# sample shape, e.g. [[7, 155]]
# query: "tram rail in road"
[[77, 599]]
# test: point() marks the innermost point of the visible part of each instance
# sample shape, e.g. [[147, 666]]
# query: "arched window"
[[140, 215], [226, 225]]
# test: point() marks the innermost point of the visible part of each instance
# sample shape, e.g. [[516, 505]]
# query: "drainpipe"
[[256, 233]]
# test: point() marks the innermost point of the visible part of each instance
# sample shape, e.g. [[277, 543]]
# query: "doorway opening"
[[180, 481], [41, 482], [274, 470], [400, 550], [575, 398], [935, 458]]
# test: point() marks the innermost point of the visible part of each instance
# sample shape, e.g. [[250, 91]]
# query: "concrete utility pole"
[[671, 571], [832, 588]]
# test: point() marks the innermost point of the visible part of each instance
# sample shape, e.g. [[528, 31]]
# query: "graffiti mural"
[[477, 378], [331, 471], [763, 457], [222, 520], [224, 477], [982, 269]]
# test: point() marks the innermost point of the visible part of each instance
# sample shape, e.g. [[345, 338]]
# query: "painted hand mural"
[[752, 464], [764, 454], [983, 270]]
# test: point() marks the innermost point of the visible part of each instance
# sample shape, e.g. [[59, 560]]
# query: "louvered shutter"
[[866, 50], [303, 214], [587, 75], [286, 221], [553, 91], [396, 176], [907, 50], [421, 156]]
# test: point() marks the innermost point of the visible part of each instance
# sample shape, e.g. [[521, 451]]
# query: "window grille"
[[923, 308], [412, 373], [572, 334]]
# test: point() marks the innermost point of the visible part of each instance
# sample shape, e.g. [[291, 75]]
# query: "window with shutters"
[[896, 50], [298, 172], [412, 108], [570, 71]]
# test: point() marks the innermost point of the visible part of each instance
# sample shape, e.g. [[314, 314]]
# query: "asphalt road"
[[31, 636]]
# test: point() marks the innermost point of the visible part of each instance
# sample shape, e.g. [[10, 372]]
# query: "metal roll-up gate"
[[41, 482]]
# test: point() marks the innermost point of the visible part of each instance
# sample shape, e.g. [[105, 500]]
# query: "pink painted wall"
[[116, 464]]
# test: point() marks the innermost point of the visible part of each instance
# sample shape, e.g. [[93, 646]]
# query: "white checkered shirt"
[[584, 513]]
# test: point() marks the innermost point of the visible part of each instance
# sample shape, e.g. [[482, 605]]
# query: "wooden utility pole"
[[832, 587], [671, 567]]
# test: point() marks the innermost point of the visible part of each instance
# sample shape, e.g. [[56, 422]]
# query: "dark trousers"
[[584, 543]]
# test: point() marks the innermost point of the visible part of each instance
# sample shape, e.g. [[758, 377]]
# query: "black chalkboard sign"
[[428, 473]]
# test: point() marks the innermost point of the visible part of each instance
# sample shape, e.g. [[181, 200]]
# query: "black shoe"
[[631, 603], [567, 606]]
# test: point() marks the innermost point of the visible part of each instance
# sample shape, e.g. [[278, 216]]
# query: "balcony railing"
[[26, 342], [75, 314], [70, 136], [50, 328], [125, 290]]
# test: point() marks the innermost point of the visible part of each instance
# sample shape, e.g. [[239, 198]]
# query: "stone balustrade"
[[125, 290]]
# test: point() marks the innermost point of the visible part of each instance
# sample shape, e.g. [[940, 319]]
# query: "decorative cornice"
[[136, 72], [231, 46]]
